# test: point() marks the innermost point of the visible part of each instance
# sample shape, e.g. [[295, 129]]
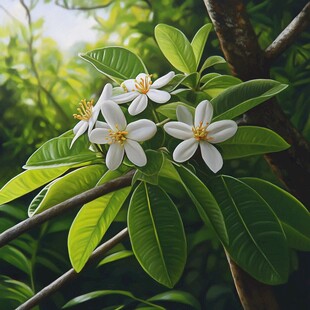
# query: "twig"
[[60, 208], [83, 8], [71, 274], [289, 34]]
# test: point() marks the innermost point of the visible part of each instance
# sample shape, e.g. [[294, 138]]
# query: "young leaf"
[[56, 153], [294, 217], [169, 109], [252, 140], [199, 41], [211, 61], [28, 181], [157, 234], [117, 63], [66, 187], [90, 225], [256, 239], [176, 48], [115, 256], [240, 98], [204, 201]]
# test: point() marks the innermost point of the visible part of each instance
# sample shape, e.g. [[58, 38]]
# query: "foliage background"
[[40, 86]]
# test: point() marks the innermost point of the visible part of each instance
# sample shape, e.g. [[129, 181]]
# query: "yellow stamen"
[[144, 84], [85, 110], [200, 132], [118, 136]]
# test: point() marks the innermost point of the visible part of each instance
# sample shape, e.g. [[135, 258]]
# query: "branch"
[[69, 204], [71, 274], [83, 8], [289, 34]]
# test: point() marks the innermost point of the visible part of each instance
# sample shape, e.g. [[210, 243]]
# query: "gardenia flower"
[[140, 89], [201, 132], [121, 137], [88, 113]]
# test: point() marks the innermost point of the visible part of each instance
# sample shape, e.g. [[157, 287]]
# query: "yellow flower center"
[[118, 136], [143, 84], [200, 132], [85, 110]]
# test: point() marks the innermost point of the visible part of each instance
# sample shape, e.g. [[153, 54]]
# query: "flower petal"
[[135, 153], [114, 115], [211, 156], [179, 130], [221, 130], [185, 150], [126, 97], [203, 113], [106, 93], [114, 156], [141, 130], [99, 136], [79, 129], [184, 115], [129, 85], [100, 124], [163, 80], [92, 120], [138, 105], [158, 96]]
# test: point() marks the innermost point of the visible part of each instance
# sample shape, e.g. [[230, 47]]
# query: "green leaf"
[[174, 83], [169, 109], [71, 184], [15, 258], [89, 296], [117, 63], [294, 217], [154, 162], [56, 153], [115, 256], [218, 84], [256, 239], [238, 99], [176, 48], [199, 41], [207, 77], [157, 234], [191, 80], [179, 297], [90, 225], [28, 181], [204, 201], [252, 140], [211, 61]]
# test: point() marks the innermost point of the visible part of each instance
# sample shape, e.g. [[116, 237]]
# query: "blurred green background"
[[42, 80]]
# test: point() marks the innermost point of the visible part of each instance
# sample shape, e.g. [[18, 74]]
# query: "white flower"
[[121, 137], [88, 113], [200, 132], [140, 89]]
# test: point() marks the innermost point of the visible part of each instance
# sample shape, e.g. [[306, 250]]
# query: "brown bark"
[[247, 61]]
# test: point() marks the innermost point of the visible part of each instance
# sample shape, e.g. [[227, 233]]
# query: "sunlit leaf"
[[211, 61], [115, 257]]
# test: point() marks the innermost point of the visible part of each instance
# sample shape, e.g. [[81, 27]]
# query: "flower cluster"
[[124, 138]]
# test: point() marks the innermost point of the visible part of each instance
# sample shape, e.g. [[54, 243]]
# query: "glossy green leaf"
[[154, 162], [257, 242], [56, 152], [96, 294], [211, 61], [174, 83], [204, 201], [90, 225], [176, 48], [70, 185], [252, 140], [191, 80], [199, 41], [117, 63], [207, 77], [294, 217], [169, 109], [115, 257], [218, 84], [28, 181], [16, 258], [178, 297], [240, 98], [157, 234]]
